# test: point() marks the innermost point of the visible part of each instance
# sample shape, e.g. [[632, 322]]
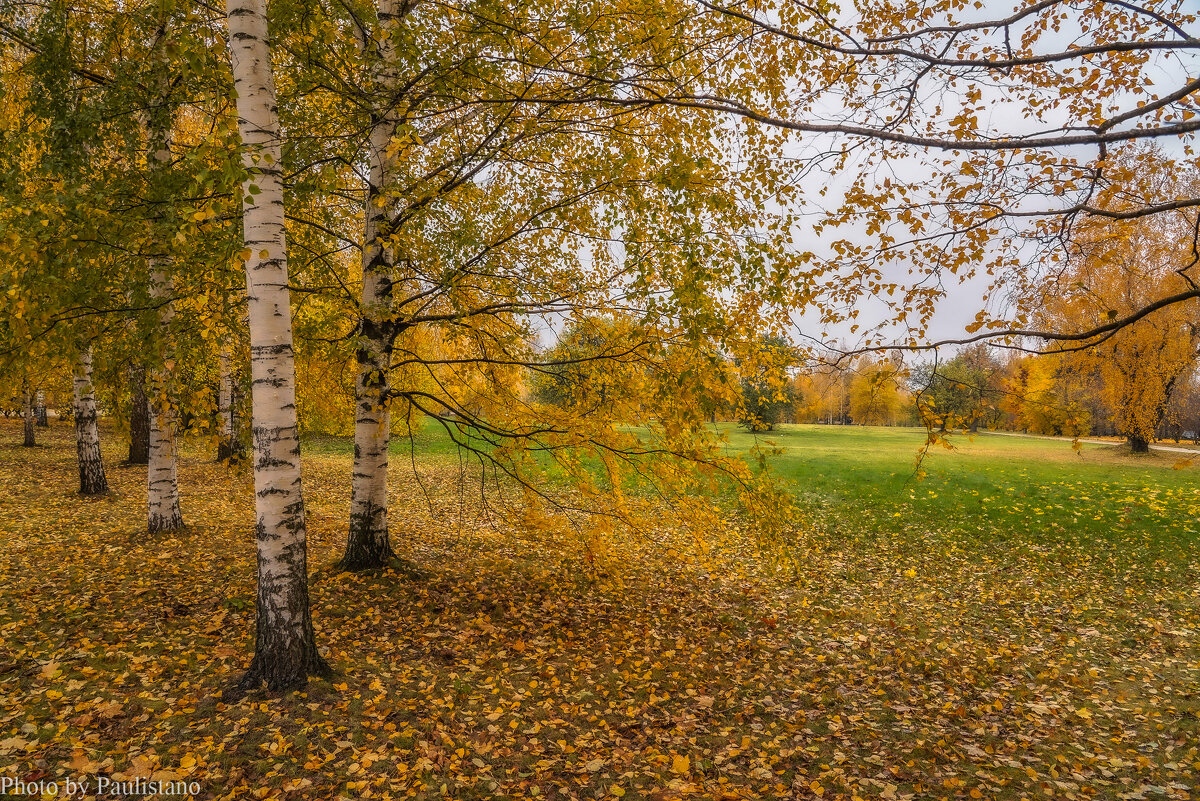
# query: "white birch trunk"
[[367, 544], [39, 409], [27, 413], [285, 651], [162, 483], [92, 480], [228, 448]]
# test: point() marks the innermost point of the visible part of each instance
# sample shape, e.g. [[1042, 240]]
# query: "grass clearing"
[[997, 493], [1024, 623]]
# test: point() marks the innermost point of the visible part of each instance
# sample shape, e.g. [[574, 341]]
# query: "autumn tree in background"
[[876, 395], [231, 448], [1042, 397], [27, 415], [963, 392], [596, 362], [823, 390], [49, 127], [767, 391], [139, 416], [1183, 413], [1118, 267]]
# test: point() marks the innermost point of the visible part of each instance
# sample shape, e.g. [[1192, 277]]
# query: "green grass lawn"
[[427, 440], [989, 487]]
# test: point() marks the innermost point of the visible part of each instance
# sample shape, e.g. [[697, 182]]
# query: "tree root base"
[[288, 678], [363, 563]]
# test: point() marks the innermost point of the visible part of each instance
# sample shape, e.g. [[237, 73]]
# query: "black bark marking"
[[368, 545]]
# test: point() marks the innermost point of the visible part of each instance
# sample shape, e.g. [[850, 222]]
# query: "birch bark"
[[39, 410], [92, 480], [367, 543], [285, 650], [162, 482], [27, 413], [228, 448]]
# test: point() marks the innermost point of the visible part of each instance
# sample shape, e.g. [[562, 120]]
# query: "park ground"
[[1021, 622]]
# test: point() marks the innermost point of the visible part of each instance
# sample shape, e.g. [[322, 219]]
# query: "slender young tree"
[[229, 447], [27, 413], [92, 480], [139, 417], [367, 544], [162, 482], [285, 649]]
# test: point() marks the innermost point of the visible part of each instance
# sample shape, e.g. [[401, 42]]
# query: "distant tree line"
[[1057, 394]]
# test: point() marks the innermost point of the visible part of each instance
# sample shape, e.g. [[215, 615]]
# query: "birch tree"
[[39, 409], [506, 197], [162, 482], [285, 650], [368, 540], [229, 446], [163, 512], [28, 415], [92, 480]]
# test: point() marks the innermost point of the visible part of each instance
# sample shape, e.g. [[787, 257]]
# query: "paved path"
[[1172, 448]]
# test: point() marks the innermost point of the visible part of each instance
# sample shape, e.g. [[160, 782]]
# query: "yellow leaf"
[[680, 764]]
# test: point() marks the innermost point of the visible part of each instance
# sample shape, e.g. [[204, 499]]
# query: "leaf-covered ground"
[[905, 658]]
